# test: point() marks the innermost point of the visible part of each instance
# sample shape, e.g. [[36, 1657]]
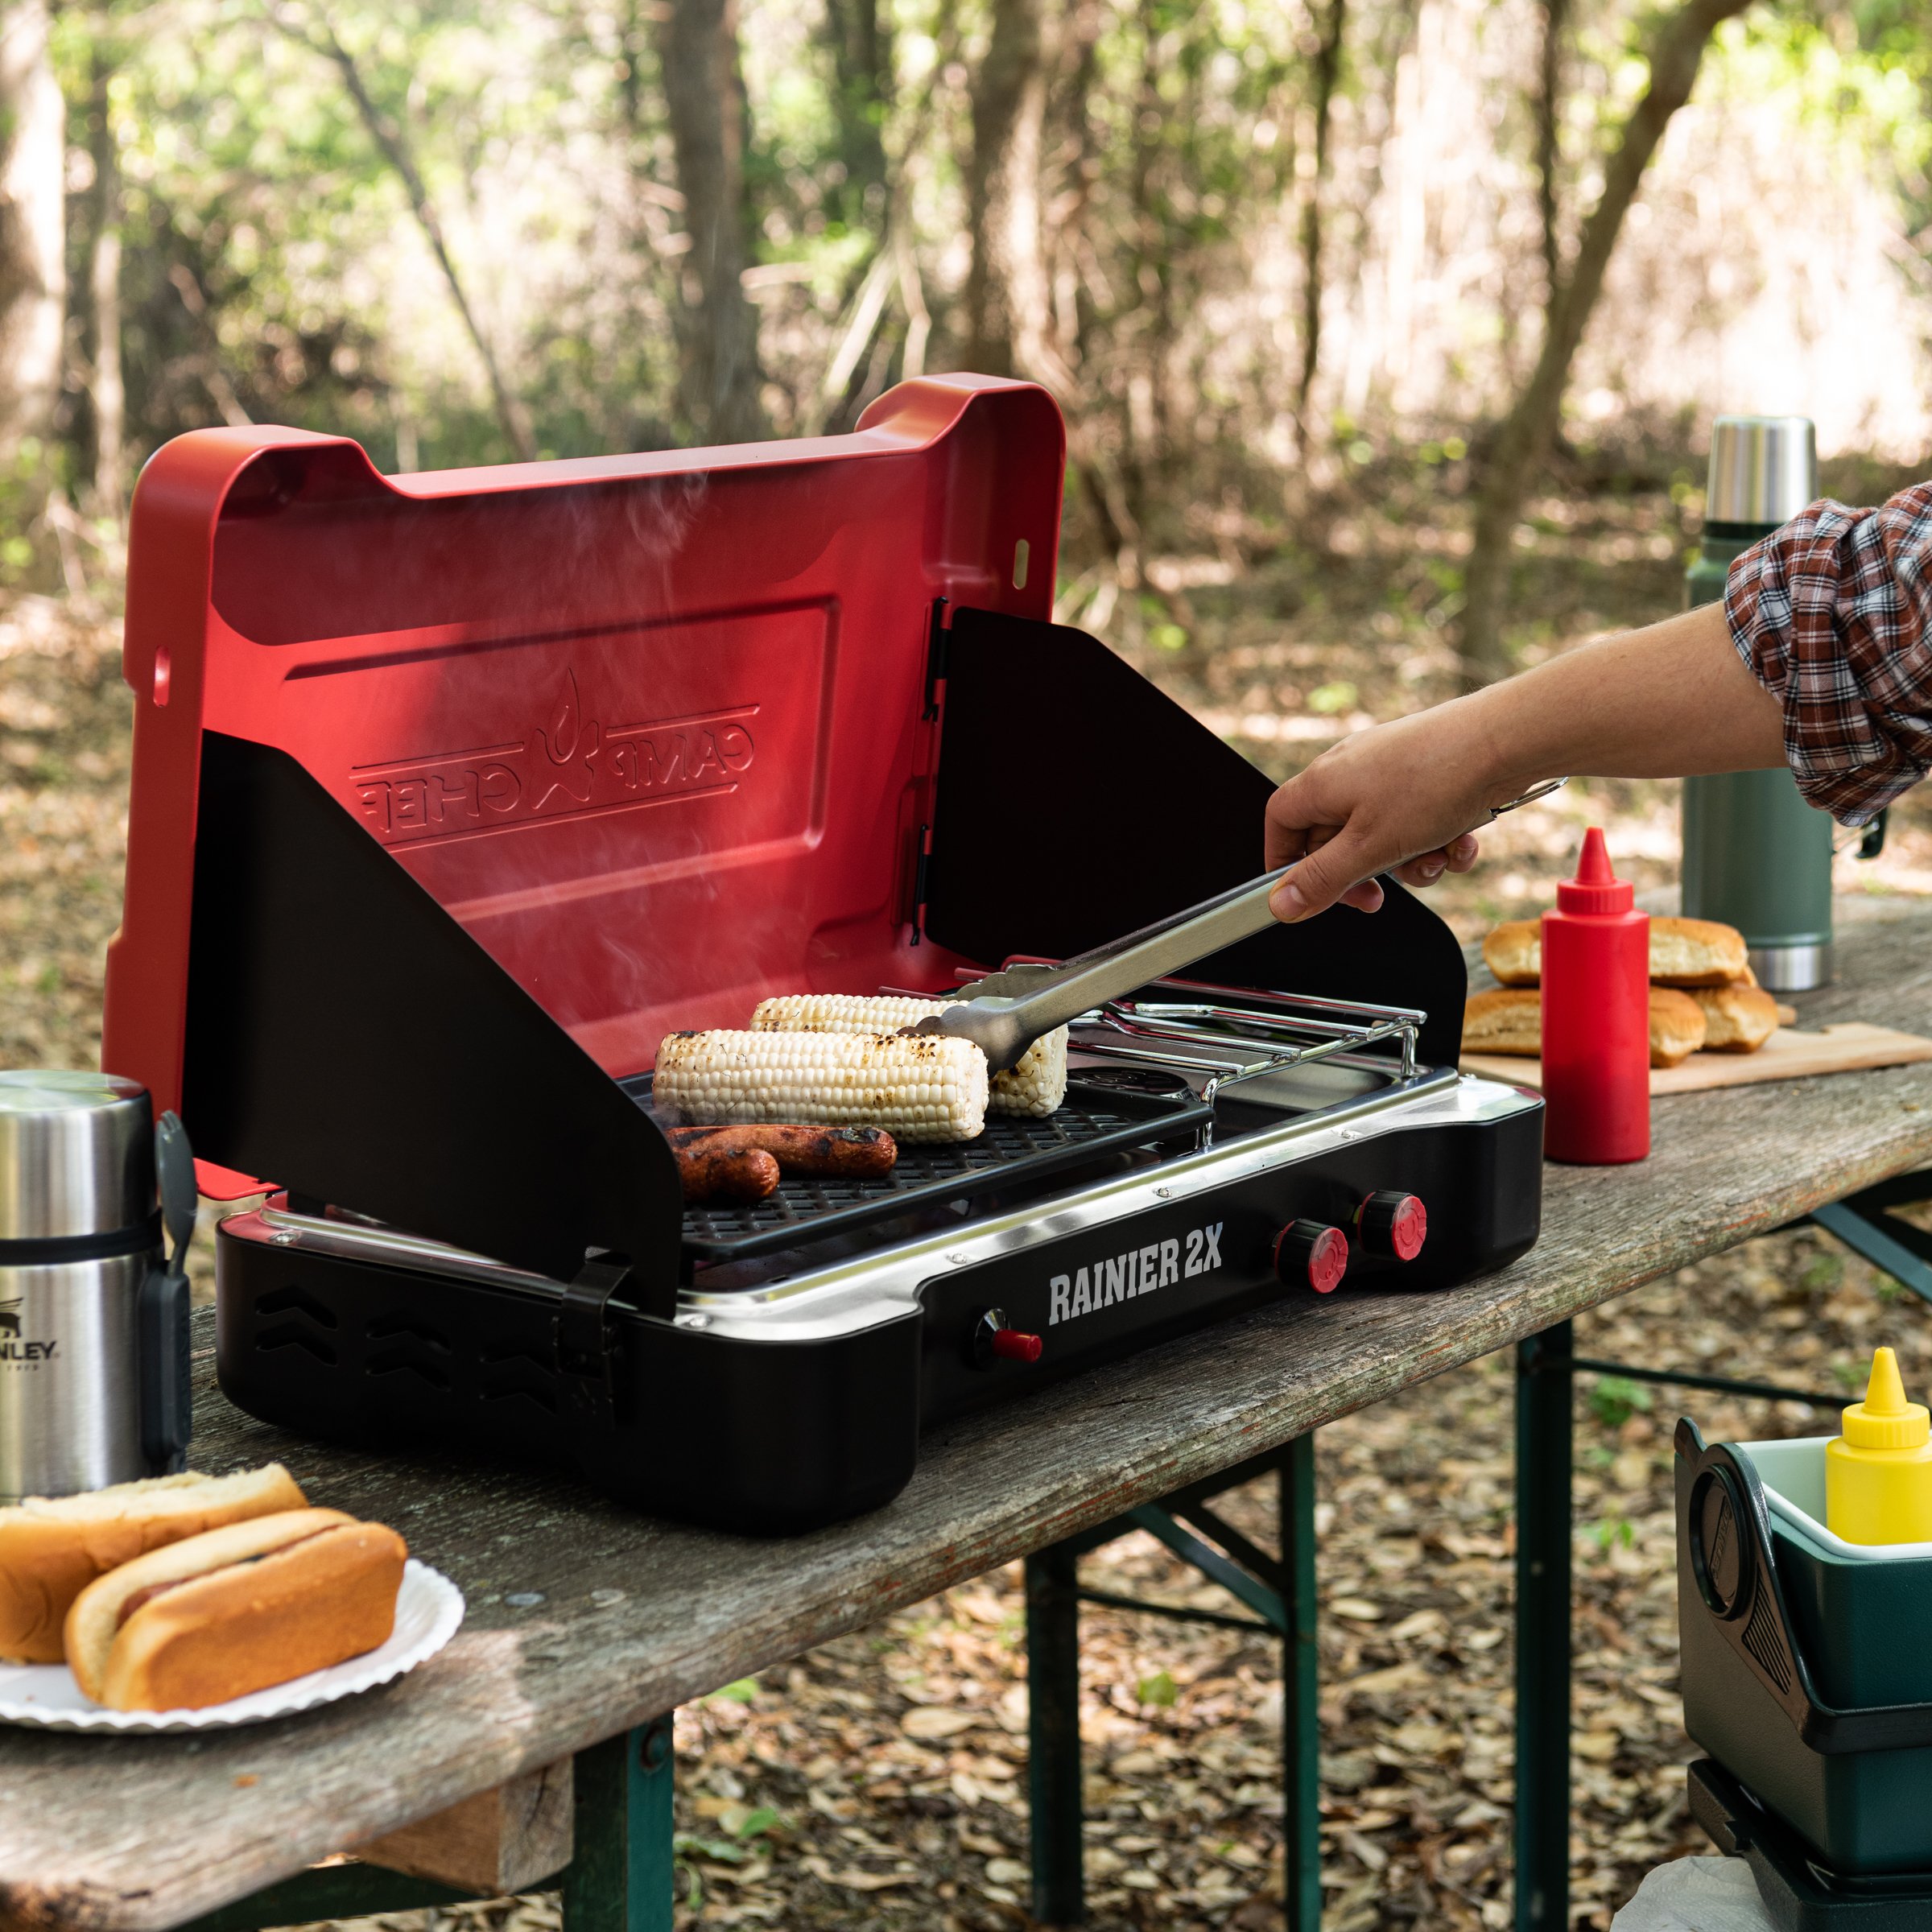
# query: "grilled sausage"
[[826, 1153], [726, 1174]]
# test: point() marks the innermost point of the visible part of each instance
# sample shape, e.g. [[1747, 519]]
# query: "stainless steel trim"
[[76, 1155], [361, 1240], [880, 1285]]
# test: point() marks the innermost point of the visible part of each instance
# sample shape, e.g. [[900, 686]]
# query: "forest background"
[[1282, 261], [1388, 333]]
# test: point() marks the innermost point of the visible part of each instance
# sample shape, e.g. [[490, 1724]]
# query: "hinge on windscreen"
[[936, 657], [922, 864]]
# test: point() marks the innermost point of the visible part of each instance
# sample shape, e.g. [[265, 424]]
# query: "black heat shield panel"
[[1077, 803], [347, 1039]]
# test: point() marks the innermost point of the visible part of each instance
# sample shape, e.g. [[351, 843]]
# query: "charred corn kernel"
[[916, 1088], [1036, 1086]]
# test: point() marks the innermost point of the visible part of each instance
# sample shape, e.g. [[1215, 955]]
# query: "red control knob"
[[1011, 1345], [1311, 1252], [1393, 1225]]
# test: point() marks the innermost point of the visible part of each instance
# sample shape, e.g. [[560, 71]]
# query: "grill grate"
[[1094, 1118]]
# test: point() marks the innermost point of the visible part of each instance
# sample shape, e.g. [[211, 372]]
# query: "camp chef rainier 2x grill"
[[454, 793]]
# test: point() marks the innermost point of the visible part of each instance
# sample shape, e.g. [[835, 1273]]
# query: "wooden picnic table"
[[585, 1619]]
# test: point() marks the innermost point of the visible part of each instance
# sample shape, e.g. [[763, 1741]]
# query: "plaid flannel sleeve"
[[1833, 615]]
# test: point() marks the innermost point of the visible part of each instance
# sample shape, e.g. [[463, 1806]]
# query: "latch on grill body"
[[587, 1344]]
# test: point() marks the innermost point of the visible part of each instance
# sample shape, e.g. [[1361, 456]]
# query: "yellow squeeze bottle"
[[1878, 1474]]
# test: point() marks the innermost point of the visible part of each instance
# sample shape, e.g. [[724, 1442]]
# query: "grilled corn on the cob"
[[916, 1088], [1036, 1086]]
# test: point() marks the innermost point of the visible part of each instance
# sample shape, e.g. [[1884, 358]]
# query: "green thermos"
[[1756, 855]]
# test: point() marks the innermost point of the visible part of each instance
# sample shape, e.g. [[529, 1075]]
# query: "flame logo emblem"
[[571, 774]]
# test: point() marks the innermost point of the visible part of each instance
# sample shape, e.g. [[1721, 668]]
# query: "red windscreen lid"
[[654, 728]]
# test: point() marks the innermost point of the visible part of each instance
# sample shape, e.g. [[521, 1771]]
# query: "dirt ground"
[[879, 1782]]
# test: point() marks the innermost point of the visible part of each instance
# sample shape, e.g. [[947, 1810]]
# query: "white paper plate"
[[429, 1608]]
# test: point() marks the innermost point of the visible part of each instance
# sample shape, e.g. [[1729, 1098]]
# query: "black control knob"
[[1393, 1225], [1311, 1254]]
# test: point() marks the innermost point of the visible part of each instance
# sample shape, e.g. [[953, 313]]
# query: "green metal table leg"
[[1053, 1721], [620, 1879], [1301, 1725], [1543, 1377]]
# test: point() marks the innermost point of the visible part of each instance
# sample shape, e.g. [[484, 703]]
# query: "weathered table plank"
[[632, 1616]]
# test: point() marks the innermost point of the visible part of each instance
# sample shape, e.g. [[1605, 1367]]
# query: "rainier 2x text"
[[1139, 1271]]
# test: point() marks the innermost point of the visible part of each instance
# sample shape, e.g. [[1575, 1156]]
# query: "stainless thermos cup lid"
[[1764, 469], [76, 1155]]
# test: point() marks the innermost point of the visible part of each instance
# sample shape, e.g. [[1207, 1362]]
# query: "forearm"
[[1671, 700], [1667, 701]]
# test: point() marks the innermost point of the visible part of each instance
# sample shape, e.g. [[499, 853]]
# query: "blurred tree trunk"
[[861, 64], [33, 275], [106, 391], [1522, 441], [704, 95], [1549, 108], [1326, 73], [1009, 298], [859, 195], [1075, 135]]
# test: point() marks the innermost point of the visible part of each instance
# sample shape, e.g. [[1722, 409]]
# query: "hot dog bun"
[[52, 1547], [1677, 1026], [1683, 952], [1737, 1019], [1510, 1020], [1696, 953], [235, 1610], [1514, 951]]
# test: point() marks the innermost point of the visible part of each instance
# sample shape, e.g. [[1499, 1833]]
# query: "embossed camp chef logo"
[[567, 763], [14, 1351]]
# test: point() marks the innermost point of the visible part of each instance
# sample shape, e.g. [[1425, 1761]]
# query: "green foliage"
[[1160, 1690], [1615, 1398], [1614, 1532], [276, 268], [1822, 1272]]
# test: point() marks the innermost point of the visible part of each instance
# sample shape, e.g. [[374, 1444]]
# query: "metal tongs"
[[1006, 1012]]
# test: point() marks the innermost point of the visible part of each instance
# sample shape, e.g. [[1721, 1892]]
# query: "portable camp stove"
[[454, 793]]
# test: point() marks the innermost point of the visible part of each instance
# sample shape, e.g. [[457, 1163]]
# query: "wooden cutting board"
[[1787, 1055]]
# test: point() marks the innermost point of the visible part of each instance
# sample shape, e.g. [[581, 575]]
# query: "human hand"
[[1399, 798]]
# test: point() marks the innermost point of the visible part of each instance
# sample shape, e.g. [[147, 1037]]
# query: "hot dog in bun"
[[235, 1610], [52, 1547]]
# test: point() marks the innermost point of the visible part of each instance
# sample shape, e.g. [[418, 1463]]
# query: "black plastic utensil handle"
[[166, 1396]]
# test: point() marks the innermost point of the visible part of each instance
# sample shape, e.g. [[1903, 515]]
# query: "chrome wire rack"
[[1246, 1042]]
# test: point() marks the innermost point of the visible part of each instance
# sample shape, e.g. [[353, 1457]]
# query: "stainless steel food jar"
[[93, 1322]]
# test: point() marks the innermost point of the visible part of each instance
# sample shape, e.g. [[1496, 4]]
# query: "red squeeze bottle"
[[1596, 1017]]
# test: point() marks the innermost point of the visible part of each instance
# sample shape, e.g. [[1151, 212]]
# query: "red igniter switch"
[[1311, 1253], [1393, 1225], [993, 1341]]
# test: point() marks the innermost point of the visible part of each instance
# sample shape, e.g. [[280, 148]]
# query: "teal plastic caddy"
[[1807, 1664]]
